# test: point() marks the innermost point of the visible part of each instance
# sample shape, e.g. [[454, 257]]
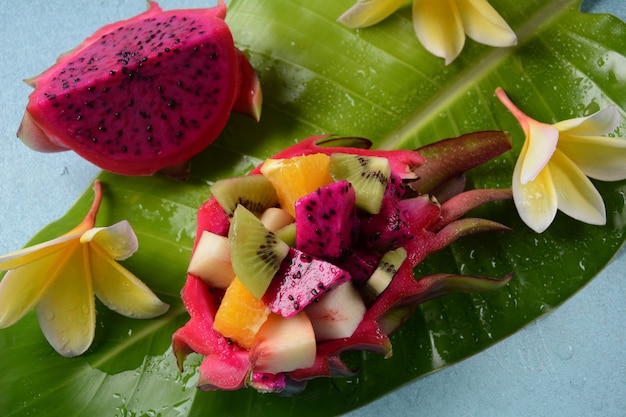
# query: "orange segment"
[[296, 177], [240, 315]]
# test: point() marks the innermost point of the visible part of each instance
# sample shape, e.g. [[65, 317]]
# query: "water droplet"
[[565, 352]]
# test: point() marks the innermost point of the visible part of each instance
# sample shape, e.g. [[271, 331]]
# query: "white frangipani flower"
[[59, 278], [555, 162], [440, 25]]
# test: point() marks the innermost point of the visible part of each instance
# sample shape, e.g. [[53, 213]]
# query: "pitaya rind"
[[324, 220], [144, 94], [211, 217], [449, 158], [462, 203], [432, 225], [403, 162], [265, 382], [225, 365], [404, 287]]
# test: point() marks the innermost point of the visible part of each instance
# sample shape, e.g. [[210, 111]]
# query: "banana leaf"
[[320, 77]]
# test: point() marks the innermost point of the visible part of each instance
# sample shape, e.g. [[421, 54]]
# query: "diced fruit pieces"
[[300, 280], [388, 229], [275, 218], [240, 314], [296, 177], [284, 344], [211, 260], [338, 313], [324, 220], [288, 234], [384, 273], [256, 253], [254, 192], [368, 174]]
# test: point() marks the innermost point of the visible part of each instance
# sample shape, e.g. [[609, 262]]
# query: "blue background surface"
[[569, 363]]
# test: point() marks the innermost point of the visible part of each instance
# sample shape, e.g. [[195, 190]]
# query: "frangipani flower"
[[440, 25], [59, 278], [555, 161]]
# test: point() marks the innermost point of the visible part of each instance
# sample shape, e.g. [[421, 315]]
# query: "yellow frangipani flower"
[[59, 278], [555, 161], [440, 25]]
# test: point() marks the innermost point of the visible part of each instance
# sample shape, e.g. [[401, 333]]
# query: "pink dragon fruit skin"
[[143, 94], [433, 225]]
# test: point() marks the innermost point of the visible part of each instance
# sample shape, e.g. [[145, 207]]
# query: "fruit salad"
[[312, 254]]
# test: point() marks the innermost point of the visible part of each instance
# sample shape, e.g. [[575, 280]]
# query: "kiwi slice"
[[254, 192], [255, 252], [288, 234], [369, 176], [384, 273]]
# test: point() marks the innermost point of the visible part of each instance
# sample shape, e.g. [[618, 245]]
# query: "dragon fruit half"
[[144, 94], [354, 321]]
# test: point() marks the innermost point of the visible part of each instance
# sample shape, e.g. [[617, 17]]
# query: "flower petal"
[[67, 312], [536, 200], [600, 123], [439, 27], [120, 290], [542, 140], [32, 253], [119, 240], [483, 24], [366, 13], [599, 157], [22, 288], [577, 197]]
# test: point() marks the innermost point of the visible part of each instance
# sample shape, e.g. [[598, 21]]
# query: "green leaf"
[[379, 83]]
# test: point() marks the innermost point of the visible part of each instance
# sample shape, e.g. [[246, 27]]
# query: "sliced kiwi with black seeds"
[[369, 176], [254, 192], [256, 253], [384, 273]]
